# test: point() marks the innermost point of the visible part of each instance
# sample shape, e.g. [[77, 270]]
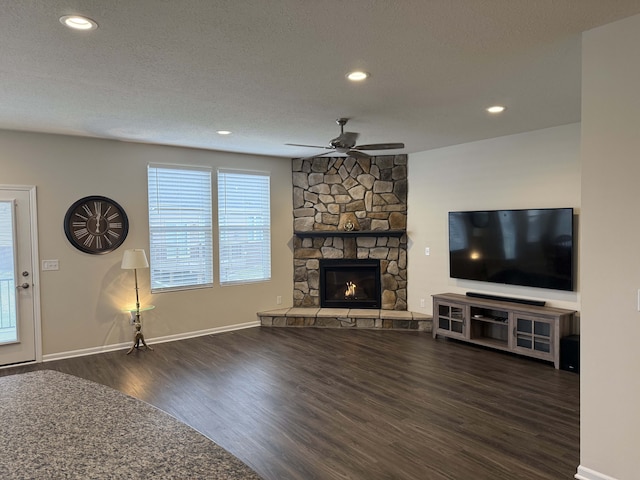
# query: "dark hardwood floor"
[[357, 404]]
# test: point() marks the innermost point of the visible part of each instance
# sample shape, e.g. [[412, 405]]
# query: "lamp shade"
[[134, 258]]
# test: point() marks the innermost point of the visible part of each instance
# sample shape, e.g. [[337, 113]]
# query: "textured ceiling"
[[273, 72]]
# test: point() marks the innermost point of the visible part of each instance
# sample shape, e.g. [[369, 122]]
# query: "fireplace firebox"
[[351, 283]]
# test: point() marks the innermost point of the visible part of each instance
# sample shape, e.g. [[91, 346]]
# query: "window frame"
[[203, 232], [262, 230]]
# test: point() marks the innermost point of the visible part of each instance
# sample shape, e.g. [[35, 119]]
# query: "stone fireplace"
[[348, 213], [350, 283], [350, 209]]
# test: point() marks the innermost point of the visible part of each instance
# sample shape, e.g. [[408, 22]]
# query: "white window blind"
[[180, 234], [244, 220]]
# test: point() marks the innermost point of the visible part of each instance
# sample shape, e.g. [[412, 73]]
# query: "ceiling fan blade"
[[380, 146], [316, 156], [310, 146], [357, 154]]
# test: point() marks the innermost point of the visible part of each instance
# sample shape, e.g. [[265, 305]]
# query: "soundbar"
[[525, 301]]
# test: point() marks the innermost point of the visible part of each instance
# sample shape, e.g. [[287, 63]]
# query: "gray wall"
[[539, 169], [610, 390], [82, 302]]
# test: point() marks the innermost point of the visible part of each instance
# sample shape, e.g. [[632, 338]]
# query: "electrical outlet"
[[427, 251], [279, 299], [422, 302]]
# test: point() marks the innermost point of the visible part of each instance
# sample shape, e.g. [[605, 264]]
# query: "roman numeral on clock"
[[89, 240], [81, 233]]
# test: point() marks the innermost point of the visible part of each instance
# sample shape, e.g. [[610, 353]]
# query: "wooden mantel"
[[351, 233]]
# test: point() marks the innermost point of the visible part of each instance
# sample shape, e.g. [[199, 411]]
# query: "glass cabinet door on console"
[[451, 319], [533, 335]]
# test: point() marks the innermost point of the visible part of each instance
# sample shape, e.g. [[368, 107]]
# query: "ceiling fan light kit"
[[345, 144]]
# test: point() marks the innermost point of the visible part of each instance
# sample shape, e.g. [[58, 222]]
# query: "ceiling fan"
[[345, 143]]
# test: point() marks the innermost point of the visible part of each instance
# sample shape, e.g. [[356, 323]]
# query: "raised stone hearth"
[[346, 318]]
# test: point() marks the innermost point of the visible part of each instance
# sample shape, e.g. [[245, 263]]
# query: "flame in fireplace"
[[350, 292]]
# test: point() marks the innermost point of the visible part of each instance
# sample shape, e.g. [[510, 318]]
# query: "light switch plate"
[[50, 265]]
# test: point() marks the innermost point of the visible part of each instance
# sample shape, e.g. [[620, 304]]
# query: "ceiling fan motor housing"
[[345, 141]]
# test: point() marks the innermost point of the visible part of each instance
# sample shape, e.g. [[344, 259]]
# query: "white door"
[[18, 285]]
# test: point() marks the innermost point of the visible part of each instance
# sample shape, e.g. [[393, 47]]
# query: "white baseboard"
[[585, 473], [169, 338]]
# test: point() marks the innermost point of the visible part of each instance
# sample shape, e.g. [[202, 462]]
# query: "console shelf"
[[518, 328]]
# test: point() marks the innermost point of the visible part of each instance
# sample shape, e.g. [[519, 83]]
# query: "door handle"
[[25, 285]]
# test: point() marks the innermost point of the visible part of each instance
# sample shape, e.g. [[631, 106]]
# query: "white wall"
[[610, 279], [81, 302], [539, 169]]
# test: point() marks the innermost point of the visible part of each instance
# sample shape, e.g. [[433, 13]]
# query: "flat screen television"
[[532, 248]]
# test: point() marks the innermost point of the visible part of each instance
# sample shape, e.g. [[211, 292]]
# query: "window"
[[244, 220], [181, 248]]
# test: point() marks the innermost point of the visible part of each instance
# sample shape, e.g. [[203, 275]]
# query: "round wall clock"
[[96, 225]]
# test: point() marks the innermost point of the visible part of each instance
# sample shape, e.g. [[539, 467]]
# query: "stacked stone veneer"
[[371, 194]]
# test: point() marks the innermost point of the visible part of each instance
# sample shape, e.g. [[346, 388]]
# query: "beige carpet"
[[57, 426]]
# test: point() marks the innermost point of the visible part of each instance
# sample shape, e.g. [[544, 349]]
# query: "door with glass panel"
[[534, 336], [450, 319], [17, 292]]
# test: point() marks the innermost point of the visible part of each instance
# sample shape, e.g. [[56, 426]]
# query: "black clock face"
[[96, 225]]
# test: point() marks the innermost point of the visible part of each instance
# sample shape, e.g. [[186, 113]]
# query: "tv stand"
[[530, 330]]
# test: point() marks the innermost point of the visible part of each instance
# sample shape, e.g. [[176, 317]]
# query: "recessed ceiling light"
[[78, 22], [357, 76], [496, 109], [223, 132]]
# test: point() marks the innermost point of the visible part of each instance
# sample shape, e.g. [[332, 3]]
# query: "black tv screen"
[[531, 248]]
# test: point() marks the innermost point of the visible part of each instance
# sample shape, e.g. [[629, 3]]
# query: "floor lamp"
[[134, 259]]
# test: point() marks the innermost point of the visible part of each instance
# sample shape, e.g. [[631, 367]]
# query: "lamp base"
[[138, 338]]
